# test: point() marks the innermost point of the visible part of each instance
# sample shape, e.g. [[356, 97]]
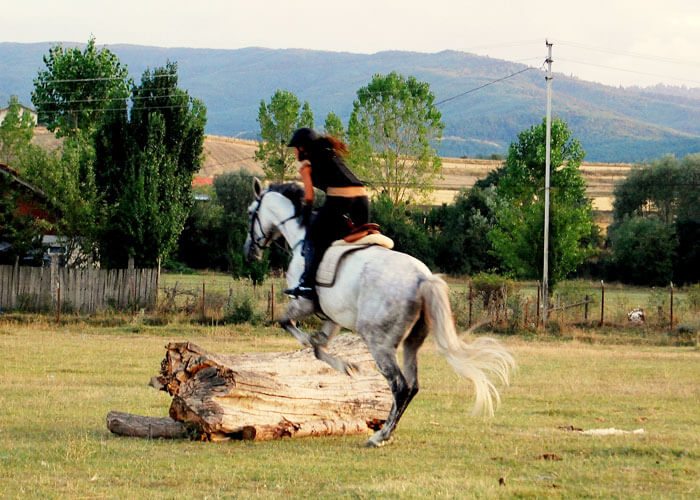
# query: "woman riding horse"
[[323, 167]]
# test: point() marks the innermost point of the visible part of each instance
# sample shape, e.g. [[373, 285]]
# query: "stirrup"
[[301, 291]]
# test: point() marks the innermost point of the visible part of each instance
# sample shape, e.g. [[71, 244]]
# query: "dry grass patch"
[[57, 385]]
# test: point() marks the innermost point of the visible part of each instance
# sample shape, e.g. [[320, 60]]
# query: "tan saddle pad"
[[325, 276]]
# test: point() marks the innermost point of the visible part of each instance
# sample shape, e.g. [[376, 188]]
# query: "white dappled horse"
[[386, 297]]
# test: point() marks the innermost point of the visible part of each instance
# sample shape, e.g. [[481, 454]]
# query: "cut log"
[[272, 395], [126, 424]]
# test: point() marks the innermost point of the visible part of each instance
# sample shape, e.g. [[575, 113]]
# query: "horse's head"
[[272, 213], [261, 227]]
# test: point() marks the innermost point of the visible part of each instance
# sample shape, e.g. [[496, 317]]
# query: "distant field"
[[224, 154], [58, 383]]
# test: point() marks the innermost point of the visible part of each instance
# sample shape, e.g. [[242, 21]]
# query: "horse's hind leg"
[[410, 356], [385, 358]]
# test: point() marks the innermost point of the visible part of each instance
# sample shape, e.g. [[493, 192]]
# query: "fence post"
[[471, 299], [671, 325], [538, 302], [132, 283], [585, 310], [204, 302], [58, 301], [602, 302]]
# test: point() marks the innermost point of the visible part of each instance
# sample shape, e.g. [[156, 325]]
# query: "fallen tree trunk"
[[126, 424], [271, 395]]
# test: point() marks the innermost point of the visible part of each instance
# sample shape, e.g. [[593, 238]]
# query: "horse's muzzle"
[[250, 251]]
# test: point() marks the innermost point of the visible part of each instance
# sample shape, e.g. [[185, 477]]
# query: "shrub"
[[570, 292], [492, 287], [241, 309], [693, 296], [644, 249]]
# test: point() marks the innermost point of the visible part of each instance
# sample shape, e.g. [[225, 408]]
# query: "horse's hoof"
[[374, 444]]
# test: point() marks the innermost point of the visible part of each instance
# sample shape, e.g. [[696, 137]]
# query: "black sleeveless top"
[[329, 170]]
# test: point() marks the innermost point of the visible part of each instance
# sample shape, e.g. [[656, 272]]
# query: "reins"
[[266, 239]]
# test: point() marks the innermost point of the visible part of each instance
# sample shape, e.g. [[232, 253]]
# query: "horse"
[[388, 298]]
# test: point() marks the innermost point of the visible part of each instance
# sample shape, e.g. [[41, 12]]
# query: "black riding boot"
[[306, 287]]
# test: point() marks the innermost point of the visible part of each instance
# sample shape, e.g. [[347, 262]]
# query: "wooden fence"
[[76, 290]]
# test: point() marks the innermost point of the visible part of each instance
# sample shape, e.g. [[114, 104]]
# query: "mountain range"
[[614, 124]]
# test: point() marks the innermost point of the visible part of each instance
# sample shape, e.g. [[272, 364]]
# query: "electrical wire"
[[565, 59], [115, 109], [482, 86], [133, 98], [100, 79], [630, 54]]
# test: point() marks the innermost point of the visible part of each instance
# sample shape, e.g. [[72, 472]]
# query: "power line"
[[115, 109], [482, 86], [133, 98], [631, 54], [100, 79], [627, 70]]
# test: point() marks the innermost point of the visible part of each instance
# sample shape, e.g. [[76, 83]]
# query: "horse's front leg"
[[297, 308], [320, 338]]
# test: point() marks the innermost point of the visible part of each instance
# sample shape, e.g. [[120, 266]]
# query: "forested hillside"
[[613, 124]]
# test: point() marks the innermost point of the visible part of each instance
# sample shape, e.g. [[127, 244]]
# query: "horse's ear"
[[257, 187]]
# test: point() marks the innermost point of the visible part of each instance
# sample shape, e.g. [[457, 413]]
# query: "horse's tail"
[[475, 361]]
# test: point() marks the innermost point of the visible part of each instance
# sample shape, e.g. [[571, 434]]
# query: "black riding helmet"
[[303, 137]]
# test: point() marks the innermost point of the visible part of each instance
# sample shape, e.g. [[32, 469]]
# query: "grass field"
[[57, 384]]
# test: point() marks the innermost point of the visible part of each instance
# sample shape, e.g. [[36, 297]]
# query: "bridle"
[[264, 240]]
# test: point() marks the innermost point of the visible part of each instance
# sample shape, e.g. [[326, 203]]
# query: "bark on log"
[[126, 424], [272, 395]]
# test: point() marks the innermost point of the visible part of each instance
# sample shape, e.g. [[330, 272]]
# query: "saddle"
[[360, 232], [359, 238]]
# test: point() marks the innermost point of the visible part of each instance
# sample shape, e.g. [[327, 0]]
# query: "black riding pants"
[[330, 224]]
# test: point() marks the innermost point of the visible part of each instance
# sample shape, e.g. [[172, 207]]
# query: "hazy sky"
[[616, 42]]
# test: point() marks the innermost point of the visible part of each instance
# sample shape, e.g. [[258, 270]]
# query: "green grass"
[[58, 383]]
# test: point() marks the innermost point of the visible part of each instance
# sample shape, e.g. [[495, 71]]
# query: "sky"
[[615, 42]]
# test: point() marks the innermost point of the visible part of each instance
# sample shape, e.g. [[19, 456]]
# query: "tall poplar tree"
[[518, 235], [278, 120], [16, 130], [392, 136], [144, 165]]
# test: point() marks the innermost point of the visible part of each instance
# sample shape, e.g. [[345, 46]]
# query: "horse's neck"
[[294, 233], [290, 229]]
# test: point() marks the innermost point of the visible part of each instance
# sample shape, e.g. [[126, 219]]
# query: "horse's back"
[[374, 284]]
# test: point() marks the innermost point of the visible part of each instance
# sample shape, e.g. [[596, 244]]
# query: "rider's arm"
[[305, 172]]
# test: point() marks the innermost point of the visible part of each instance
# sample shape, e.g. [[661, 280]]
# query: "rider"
[[323, 167]]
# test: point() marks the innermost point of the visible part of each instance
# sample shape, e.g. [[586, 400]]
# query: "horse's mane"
[[290, 190]]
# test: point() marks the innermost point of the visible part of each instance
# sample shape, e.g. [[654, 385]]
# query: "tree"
[[405, 227], [643, 250], [392, 134], [144, 166], [460, 232], [665, 189], [518, 235], [67, 179], [78, 88], [278, 120], [334, 126], [16, 130], [21, 231]]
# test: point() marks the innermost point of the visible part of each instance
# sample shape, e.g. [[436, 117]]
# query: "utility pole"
[[547, 161]]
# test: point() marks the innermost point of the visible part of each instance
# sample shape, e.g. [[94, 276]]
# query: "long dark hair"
[[327, 147]]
